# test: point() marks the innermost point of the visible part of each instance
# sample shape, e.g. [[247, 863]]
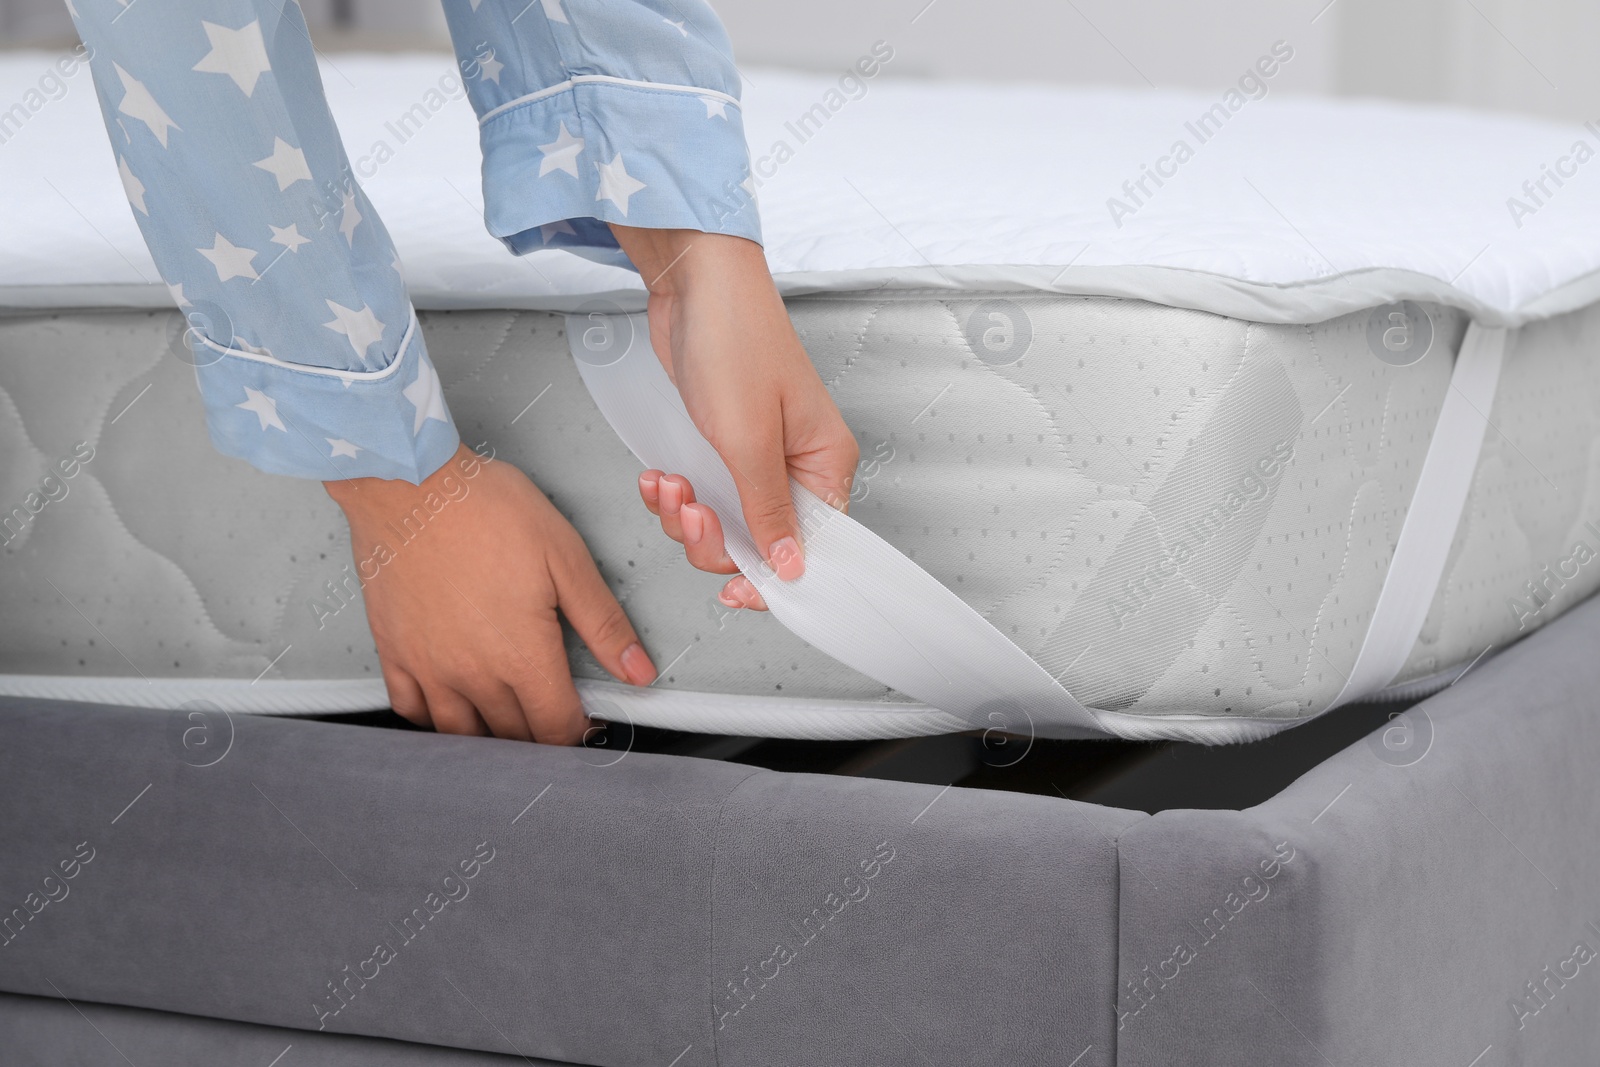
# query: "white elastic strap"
[[865, 604], [1431, 521], [861, 600]]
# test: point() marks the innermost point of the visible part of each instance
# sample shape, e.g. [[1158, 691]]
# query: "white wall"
[[1167, 43], [1523, 55], [1527, 55]]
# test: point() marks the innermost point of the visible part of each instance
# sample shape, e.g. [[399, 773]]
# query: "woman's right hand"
[[723, 336], [463, 577]]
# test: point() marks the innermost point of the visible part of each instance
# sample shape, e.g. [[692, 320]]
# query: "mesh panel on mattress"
[[1172, 511]]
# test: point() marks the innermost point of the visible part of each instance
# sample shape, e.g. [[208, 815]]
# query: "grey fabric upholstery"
[[987, 938], [1433, 878], [43, 1032], [614, 911], [1420, 897]]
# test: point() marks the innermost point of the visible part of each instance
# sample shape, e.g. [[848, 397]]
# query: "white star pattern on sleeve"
[[561, 154], [137, 103], [550, 229], [240, 54], [349, 218], [230, 260], [132, 186], [264, 408], [191, 172], [361, 327], [288, 236], [428, 397], [616, 184], [287, 164]]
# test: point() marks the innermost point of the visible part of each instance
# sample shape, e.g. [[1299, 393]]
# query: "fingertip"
[[693, 522], [786, 559], [744, 592], [636, 665], [650, 488], [669, 495]]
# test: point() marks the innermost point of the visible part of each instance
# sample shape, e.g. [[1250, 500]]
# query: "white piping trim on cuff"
[[606, 79], [327, 372]]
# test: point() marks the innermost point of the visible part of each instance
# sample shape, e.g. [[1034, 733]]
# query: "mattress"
[[1053, 397]]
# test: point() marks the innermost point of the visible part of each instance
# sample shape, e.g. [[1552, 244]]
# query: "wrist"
[[383, 493], [673, 262]]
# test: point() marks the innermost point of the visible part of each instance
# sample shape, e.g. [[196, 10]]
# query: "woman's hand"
[[721, 331], [463, 576]]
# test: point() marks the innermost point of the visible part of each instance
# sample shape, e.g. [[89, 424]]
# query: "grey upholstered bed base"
[[39, 1031], [1429, 900]]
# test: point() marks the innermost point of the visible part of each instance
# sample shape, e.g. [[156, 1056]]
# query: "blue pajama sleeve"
[[306, 348], [600, 111]]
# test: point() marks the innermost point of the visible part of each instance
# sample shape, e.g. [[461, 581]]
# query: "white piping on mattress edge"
[[278, 697], [673, 709]]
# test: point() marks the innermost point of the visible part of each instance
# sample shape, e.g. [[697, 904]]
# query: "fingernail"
[[785, 560], [649, 483], [741, 589], [694, 524], [728, 599], [637, 666], [671, 496]]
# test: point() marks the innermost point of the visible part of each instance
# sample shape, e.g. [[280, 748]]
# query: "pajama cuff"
[[312, 422], [560, 163]]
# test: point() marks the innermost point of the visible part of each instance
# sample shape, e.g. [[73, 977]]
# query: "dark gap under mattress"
[[1147, 776]]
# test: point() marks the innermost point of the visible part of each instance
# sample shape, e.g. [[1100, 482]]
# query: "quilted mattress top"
[[1263, 207]]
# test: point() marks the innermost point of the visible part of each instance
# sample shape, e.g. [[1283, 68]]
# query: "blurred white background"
[[1524, 55]]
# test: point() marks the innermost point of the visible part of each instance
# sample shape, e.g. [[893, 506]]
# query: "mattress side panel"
[[1528, 547], [1174, 512], [131, 547]]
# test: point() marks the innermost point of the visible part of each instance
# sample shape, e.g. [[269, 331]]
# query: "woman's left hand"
[[721, 331]]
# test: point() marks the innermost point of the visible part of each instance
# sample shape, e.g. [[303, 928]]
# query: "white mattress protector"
[[1289, 210]]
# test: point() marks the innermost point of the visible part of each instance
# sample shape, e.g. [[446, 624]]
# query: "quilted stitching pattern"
[[1037, 489]]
